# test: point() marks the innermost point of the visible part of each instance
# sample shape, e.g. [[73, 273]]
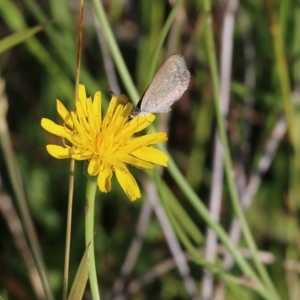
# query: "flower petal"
[[142, 122], [82, 96], [83, 137], [94, 115], [116, 122], [97, 109], [104, 178], [143, 141], [127, 108], [64, 113], [128, 184], [59, 151], [94, 166], [152, 155], [81, 116], [135, 161], [53, 128], [83, 155], [109, 113]]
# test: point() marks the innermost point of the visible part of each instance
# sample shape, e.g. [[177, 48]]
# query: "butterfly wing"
[[168, 85]]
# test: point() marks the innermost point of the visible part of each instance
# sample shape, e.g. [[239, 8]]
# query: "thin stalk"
[[68, 230], [72, 163], [89, 235]]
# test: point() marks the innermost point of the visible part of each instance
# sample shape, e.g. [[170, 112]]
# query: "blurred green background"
[[264, 87]]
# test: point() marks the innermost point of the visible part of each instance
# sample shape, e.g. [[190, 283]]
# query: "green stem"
[[89, 235], [68, 229]]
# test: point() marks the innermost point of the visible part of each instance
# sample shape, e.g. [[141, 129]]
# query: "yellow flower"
[[107, 143]]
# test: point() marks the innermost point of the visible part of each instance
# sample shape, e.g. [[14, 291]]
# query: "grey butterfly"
[[168, 85]]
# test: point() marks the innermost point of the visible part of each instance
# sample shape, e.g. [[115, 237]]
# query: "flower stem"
[[89, 235], [68, 230]]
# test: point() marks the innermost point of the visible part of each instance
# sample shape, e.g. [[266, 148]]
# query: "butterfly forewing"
[[168, 85]]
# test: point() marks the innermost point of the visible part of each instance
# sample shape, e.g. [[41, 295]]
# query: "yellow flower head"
[[107, 143]]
